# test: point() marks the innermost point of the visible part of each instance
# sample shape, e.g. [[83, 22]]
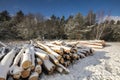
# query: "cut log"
[[41, 55], [64, 68], [59, 69], [26, 59], [53, 59], [39, 61], [48, 66], [66, 56], [75, 56], [65, 49], [38, 69], [25, 73], [58, 50], [94, 46], [83, 51], [99, 44], [34, 76], [81, 55], [15, 70], [5, 64], [32, 51], [47, 49], [66, 63], [62, 60], [58, 43], [71, 44]]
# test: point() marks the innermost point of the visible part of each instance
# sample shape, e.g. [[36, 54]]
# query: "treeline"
[[31, 26]]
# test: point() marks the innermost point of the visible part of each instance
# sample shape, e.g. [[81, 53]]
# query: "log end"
[[16, 76], [25, 73], [26, 64], [34, 76]]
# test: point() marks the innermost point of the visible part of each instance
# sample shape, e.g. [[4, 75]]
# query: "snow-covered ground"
[[103, 65]]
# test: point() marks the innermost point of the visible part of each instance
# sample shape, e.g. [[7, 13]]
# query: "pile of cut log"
[[30, 60], [97, 44]]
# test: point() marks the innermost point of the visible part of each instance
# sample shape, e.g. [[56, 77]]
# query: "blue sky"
[[61, 7]]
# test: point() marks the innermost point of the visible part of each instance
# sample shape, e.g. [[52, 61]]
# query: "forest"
[[22, 26]]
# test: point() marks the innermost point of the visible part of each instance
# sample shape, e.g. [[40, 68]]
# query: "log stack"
[[30, 60], [96, 44]]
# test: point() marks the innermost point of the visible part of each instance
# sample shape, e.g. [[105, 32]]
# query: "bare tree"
[[101, 25]]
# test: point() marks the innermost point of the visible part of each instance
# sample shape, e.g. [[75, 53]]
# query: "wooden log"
[[64, 68], [72, 61], [15, 70], [59, 69], [75, 56], [58, 43], [53, 59], [26, 59], [32, 51], [91, 51], [83, 51], [58, 50], [38, 69], [39, 61], [66, 63], [48, 66], [34, 76], [5, 64], [94, 46], [81, 55], [74, 49], [47, 49], [41, 54], [66, 56], [71, 44], [65, 49], [61, 61], [56, 61], [25, 73]]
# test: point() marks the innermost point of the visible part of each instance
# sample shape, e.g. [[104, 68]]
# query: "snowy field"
[[103, 65]]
